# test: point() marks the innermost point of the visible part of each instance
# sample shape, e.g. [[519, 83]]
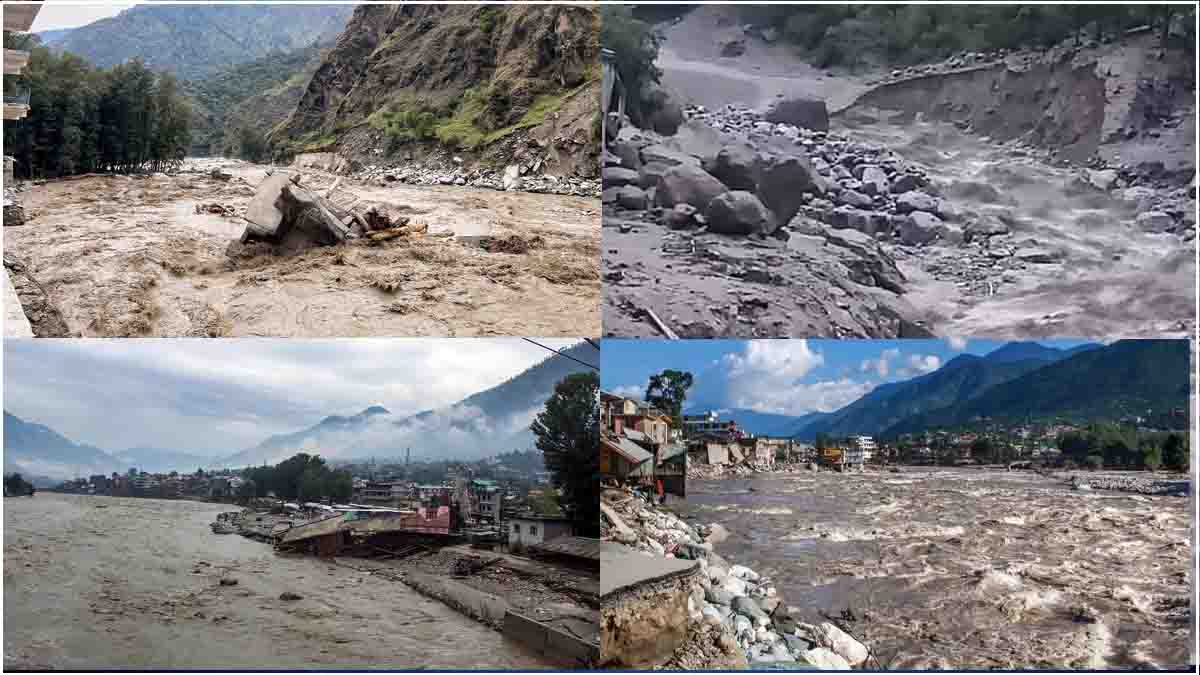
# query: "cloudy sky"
[[56, 14], [786, 377], [215, 397]]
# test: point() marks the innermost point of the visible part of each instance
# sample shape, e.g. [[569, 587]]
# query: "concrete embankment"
[[674, 602]]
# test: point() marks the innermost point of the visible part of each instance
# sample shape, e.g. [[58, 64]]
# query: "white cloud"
[[778, 358], [957, 343], [628, 391], [216, 397], [801, 398], [766, 377], [882, 365], [924, 363]]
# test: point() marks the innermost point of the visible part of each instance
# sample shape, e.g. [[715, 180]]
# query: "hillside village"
[[641, 445]]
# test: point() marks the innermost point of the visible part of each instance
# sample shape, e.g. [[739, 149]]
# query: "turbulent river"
[[102, 582], [969, 568]]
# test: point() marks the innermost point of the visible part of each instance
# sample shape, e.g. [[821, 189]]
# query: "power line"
[[592, 342], [561, 354]]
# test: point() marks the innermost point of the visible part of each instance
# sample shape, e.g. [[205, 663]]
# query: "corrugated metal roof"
[[630, 450]]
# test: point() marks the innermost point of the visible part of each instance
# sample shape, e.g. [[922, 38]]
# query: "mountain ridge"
[[192, 41]]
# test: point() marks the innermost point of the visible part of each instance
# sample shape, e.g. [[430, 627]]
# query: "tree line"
[[302, 477], [83, 119], [16, 486], [1115, 446]]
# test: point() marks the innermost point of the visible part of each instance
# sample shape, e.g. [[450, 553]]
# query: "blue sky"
[[788, 377]]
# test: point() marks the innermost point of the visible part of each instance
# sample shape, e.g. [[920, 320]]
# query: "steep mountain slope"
[[193, 40], [36, 449], [466, 76], [494, 420], [961, 379], [49, 37], [1127, 378], [257, 95]]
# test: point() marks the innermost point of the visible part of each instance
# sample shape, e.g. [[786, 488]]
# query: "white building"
[[866, 446], [529, 530]]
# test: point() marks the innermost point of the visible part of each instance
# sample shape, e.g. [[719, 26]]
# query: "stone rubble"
[[442, 169], [849, 185], [730, 596]]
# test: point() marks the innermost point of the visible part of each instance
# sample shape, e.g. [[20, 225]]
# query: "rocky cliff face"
[[402, 78]]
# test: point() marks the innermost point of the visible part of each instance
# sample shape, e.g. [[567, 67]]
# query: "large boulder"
[[919, 227], [687, 184], [783, 184], [842, 644], [651, 173], [738, 212], [874, 180], [915, 200], [616, 176], [512, 177], [746, 606], [737, 166], [801, 112], [663, 114], [661, 154], [824, 658], [1155, 221], [866, 260]]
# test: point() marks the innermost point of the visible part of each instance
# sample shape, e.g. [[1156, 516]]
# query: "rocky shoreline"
[[731, 600]]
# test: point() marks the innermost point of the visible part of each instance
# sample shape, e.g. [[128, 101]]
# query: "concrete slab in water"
[[622, 567]]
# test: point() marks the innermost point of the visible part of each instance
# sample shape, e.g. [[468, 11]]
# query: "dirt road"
[[104, 582], [131, 257]]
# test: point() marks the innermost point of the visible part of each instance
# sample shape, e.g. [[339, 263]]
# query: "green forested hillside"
[[256, 95], [958, 381], [1125, 379], [193, 41]]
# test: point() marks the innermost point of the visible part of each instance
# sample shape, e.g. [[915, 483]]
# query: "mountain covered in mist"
[[487, 422]]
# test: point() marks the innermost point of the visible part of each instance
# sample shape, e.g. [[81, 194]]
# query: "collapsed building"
[[544, 595], [640, 446]]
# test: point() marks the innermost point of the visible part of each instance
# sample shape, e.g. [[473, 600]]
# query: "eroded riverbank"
[[103, 582], [969, 569]]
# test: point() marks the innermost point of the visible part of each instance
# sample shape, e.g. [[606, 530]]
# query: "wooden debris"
[[415, 229], [666, 330]]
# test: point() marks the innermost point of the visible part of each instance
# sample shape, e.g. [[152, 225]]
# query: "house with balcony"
[[18, 18]]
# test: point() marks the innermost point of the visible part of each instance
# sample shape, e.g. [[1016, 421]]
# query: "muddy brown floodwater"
[[969, 569], [104, 582], [130, 257]]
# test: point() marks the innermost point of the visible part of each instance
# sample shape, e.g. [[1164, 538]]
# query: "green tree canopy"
[[668, 390], [567, 432]]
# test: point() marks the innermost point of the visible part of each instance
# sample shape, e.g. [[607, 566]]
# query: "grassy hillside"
[[464, 76]]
